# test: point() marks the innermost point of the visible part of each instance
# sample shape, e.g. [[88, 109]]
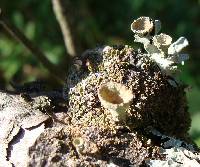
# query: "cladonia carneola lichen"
[[113, 104], [116, 98], [142, 26], [159, 47], [162, 41], [78, 143]]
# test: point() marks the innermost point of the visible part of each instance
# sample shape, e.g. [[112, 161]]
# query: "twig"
[[66, 27], [19, 36]]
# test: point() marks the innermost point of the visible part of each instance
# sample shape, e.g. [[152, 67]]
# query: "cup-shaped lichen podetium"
[[116, 98], [142, 26], [78, 143], [163, 41]]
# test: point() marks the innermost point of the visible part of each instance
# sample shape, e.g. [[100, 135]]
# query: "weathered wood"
[[19, 114]]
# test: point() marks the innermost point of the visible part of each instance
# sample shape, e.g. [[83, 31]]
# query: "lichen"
[[116, 98], [179, 157], [135, 85], [142, 26], [78, 143], [159, 47], [155, 102]]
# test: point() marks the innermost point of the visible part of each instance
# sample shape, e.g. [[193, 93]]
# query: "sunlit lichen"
[[142, 26], [133, 71], [162, 41], [159, 47], [116, 98], [119, 91], [78, 143]]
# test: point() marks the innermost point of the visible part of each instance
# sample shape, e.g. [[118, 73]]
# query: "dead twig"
[[66, 27]]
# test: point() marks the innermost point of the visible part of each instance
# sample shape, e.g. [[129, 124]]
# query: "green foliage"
[[97, 22]]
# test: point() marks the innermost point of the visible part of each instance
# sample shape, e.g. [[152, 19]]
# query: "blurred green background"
[[97, 23]]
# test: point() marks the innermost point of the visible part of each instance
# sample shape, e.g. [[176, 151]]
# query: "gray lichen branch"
[[159, 47]]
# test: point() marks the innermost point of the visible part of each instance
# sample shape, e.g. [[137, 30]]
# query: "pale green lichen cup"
[[116, 98]]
